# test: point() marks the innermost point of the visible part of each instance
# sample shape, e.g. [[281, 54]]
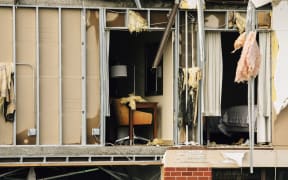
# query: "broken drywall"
[[280, 27]]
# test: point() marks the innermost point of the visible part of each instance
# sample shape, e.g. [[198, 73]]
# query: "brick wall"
[[182, 173]]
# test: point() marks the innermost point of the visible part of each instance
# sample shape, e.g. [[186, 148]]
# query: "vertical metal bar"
[[126, 18], [60, 117], [201, 51], [186, 59], [37, 79], [251, 140], [193, 49], [15, 70], [102, 46], [148, 18], [269, 69], [83, 65], [250, 26], [176, 74], [253, 121], [186, 74], [226, 19]]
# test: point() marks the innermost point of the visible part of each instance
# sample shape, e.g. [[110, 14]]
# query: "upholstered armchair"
[[121, 112]]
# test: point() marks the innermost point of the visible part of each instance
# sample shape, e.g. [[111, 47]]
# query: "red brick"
[[166, 173], [204, 169], [169, 169], [181, 178], [186, 173], [197, 173], [176, 173], [169, 178], [207, 173], [192, 178], [192, 169], [203, 178], [181, 169]]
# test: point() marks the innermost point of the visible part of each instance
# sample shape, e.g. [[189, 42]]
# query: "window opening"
[[232, 126], [131, 50]]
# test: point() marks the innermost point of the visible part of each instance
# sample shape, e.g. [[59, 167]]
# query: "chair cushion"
[[122, 115]]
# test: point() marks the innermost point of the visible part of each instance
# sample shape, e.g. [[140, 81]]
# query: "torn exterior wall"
[[279, 72], [281, 27], [60, 75]]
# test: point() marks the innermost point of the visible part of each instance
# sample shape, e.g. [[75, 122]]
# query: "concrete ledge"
[[224, 158], [13, 156]]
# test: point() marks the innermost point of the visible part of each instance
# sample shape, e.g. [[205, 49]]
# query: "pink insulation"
[[249, 63]]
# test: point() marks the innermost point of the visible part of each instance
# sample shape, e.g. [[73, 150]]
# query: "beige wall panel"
[[93, 75], [280, 129], [26, 86], [165, 102], [49, 83], [71, 72], [6, 128], [6, 30]]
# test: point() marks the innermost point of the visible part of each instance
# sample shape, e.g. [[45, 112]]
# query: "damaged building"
[[111, 89]]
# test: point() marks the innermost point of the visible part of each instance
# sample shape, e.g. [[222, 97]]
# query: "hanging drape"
[[264, 93], [212, 82]]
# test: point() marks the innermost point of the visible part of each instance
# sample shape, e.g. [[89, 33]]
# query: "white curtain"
[[212, 80], [264, 92]]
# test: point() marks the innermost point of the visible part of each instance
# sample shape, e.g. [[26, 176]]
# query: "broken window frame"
[[221, 29]]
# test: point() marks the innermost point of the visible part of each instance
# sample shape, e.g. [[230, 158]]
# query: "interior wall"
[[6, 128], [165, 102], [49, 78]]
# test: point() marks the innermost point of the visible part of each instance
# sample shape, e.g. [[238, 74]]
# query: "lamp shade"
[[118, 71]]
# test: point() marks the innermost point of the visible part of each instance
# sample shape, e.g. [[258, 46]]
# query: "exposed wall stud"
[[60, 75], [83, 79], [14, 64], [37, 78]]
